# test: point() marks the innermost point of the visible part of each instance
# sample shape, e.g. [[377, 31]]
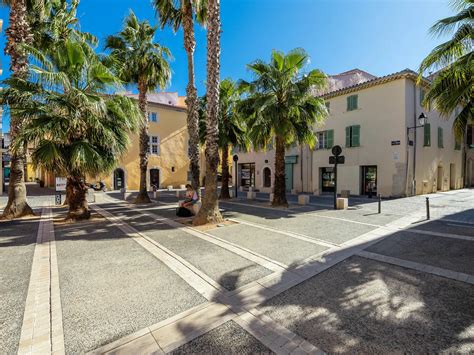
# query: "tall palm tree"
[[452, 87], [77, 130], [209, 212], [18, 33], [232, 130], [182, 13], [280, 105], [142, 61]]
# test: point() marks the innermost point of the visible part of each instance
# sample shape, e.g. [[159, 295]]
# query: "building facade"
[[371, 118], [168, 162]]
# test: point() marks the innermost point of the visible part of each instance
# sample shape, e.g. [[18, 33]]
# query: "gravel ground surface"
[[275, 246], [335, 231], [111, 286], [364, 306], [228, 269], [228, 338], [447, 253], [17, 246]]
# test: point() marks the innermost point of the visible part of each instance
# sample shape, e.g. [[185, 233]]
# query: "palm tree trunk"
[[279, 193], [209, 212], [18, 33], [191, 97], [142, 196], [225, 173], [77, 195]]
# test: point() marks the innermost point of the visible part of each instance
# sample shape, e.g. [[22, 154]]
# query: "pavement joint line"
[[450, 274], [42, 329], [241, 251], [440, 234], [289, 234], [194, 277], [315, 214], [247, 301]]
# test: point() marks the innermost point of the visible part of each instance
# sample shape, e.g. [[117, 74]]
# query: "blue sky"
[[378, 36]]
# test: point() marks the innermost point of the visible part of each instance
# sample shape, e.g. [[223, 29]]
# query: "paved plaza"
[[307, 279]]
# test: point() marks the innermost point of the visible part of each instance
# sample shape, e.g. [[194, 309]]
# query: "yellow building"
[[168, 162]]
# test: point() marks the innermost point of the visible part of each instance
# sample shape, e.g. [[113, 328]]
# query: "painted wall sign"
[[61, 183]]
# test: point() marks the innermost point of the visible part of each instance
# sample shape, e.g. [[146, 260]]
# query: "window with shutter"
[[330, 139], [427, 135], [355, 136], [348, 136], [440, 137], [352, 102], [457, 143]]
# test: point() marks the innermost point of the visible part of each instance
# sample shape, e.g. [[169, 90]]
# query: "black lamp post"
[[235, 158], [422, 120]]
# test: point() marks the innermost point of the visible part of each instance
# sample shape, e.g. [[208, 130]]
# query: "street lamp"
[[422, 120]]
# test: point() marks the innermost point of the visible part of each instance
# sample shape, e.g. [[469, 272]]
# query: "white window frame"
[[154, 145], [322, 143]]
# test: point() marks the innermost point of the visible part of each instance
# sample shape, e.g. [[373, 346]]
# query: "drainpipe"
[[414, 139], [301, 167]]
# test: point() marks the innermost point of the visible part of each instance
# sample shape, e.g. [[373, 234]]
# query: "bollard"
[[380, 203], [427, 208]]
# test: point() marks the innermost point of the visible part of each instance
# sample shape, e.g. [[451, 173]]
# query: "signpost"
[[235, 158], [337, 158], [61, 183]]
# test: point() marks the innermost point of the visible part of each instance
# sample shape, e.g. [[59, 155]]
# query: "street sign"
[[336, 150], [339, 160], [58, 199], [61, 183]]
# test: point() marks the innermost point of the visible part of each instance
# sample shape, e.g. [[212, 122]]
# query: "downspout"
[[414, 139], [301, 167]]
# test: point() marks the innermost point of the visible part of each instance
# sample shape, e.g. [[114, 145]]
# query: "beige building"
[[371, 118], [168, 162]]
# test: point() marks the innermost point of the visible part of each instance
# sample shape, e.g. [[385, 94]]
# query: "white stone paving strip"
[[241, 305], [194, 277], [42, 330], [450, 274]]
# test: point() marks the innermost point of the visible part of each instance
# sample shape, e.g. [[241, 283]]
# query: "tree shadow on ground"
[[364, 306]]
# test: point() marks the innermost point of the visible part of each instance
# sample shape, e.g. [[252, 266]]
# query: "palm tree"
[[231, 128], [452, 86], [280, 105], [178, 14], [209, 212], [142, 61], [18, 33], [77, 130]]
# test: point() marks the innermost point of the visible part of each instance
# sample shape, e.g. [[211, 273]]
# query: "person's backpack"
[[183, 212]]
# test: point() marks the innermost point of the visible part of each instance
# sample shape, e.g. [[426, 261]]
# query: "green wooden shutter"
[[355, 102], [348, 136], [356, 136], [427, 135], [330, 138], [457, 144], [440, 137]]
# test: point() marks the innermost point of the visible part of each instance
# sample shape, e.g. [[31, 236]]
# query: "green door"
[[289, 176]]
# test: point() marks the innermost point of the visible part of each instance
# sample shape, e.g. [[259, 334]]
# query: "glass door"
[[369, 180]]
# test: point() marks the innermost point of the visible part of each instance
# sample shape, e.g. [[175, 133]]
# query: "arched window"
[[267, 177]]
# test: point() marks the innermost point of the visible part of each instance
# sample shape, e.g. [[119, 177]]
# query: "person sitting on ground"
[[190, 199]]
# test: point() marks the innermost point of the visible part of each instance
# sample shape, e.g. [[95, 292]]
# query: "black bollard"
[[427, 208], [380, 203]]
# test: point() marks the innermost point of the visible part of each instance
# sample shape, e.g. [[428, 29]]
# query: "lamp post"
[[422, 120], [235, 158]]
